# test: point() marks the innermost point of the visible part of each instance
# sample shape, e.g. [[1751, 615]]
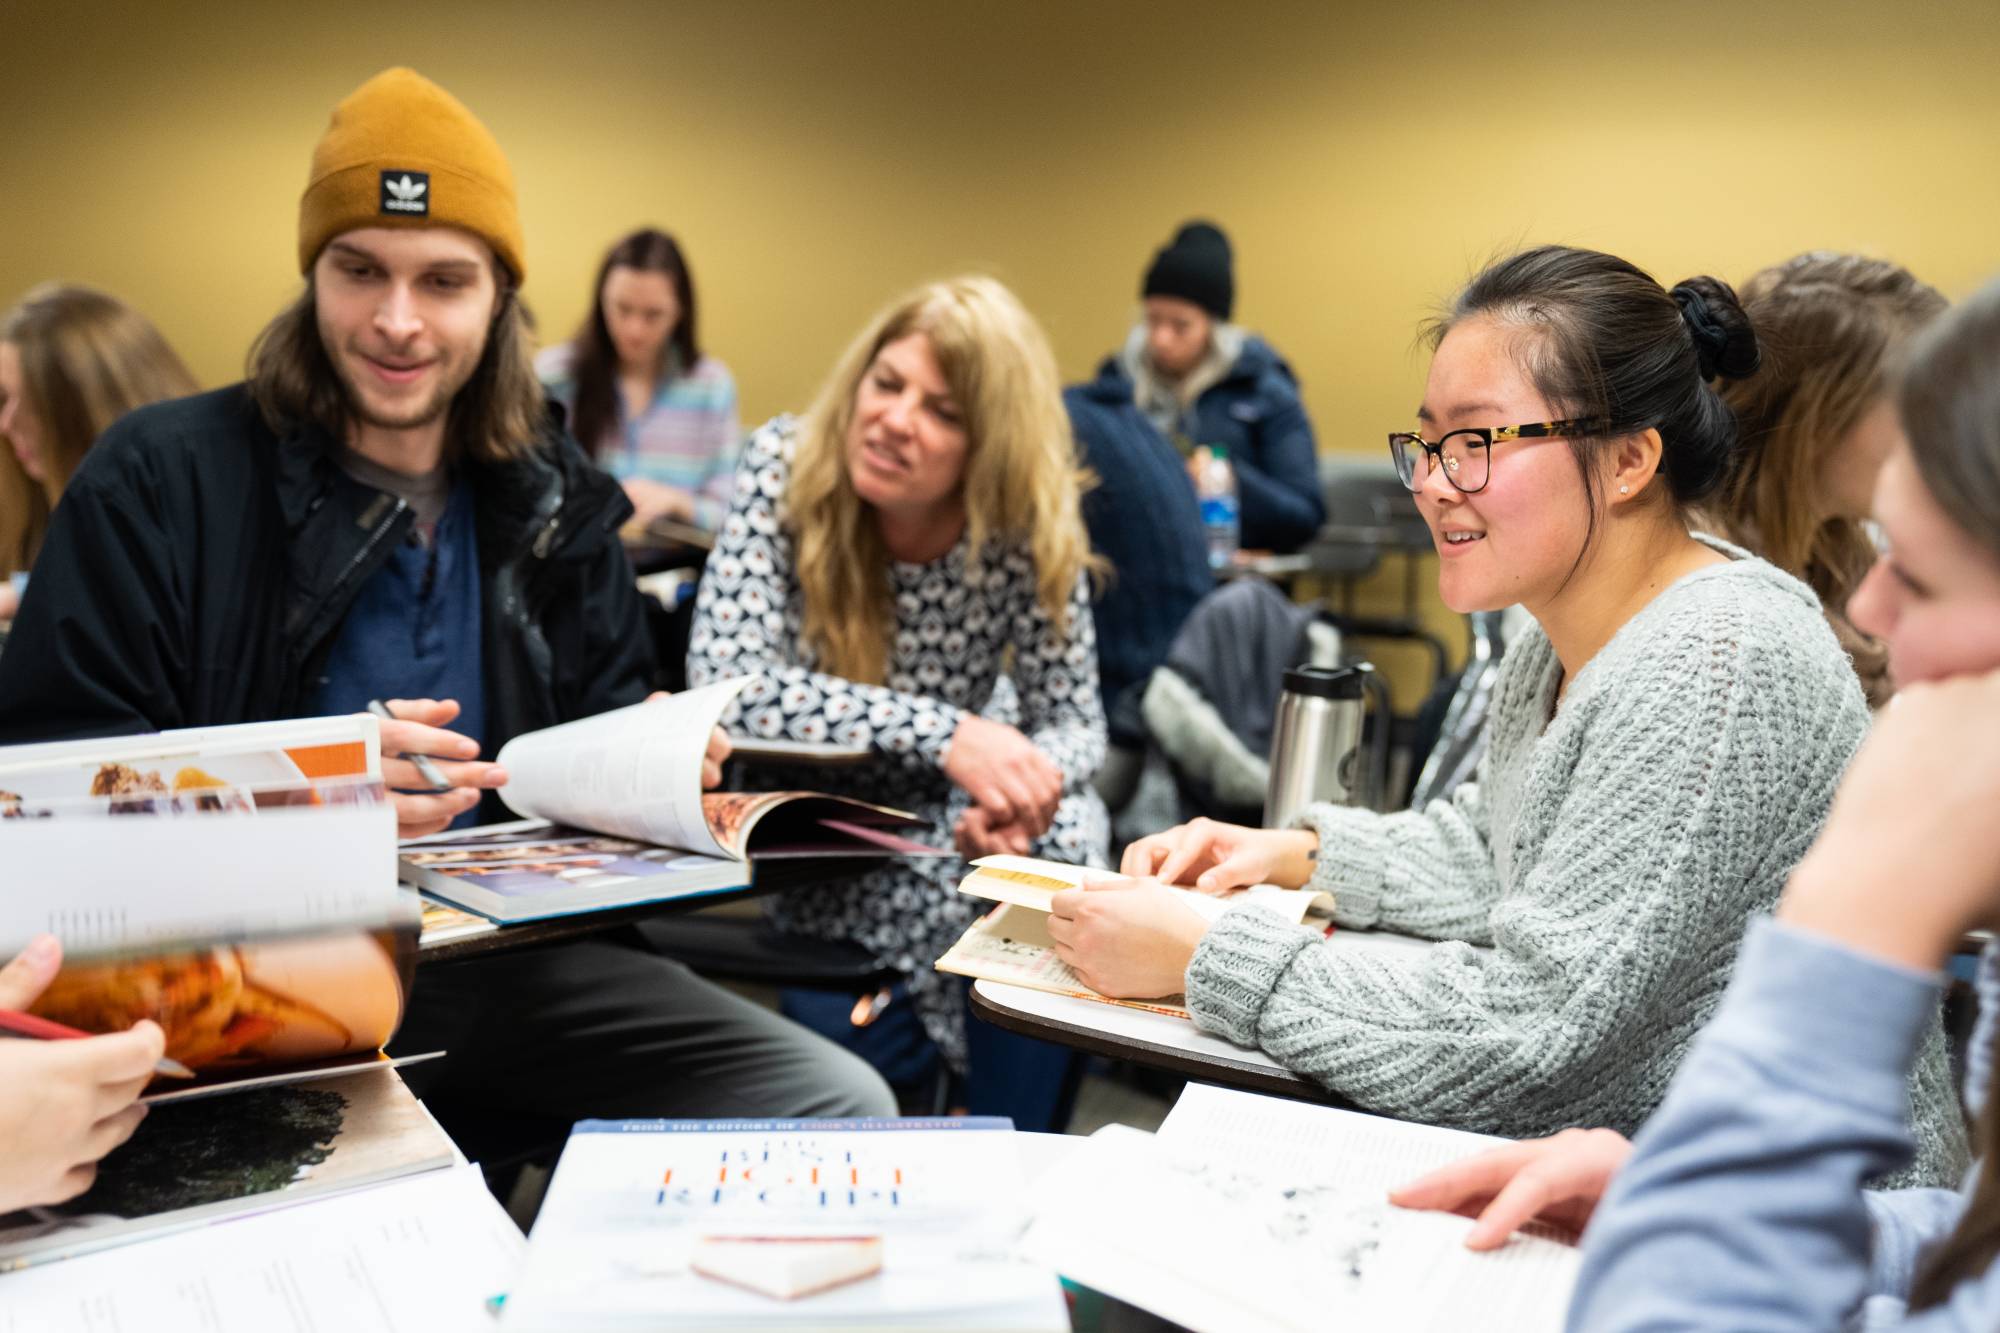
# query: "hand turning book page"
[[1011, 943], [619, 817], [251, 1011], [236, 885]]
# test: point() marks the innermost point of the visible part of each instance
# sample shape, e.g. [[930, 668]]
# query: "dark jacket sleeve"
[[1279, 481], [101, 641], [618, 644]]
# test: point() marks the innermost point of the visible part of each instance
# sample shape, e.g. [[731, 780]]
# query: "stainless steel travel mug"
[[1315, 742]]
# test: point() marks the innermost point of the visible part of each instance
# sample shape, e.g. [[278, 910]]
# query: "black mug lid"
[[1343, 682]]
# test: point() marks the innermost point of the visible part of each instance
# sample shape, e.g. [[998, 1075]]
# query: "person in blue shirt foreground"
[[1740, 1203]]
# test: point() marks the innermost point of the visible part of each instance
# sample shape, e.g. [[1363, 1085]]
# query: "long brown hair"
[[87, 359], [1831, 324], [594, 358], [24, 515], [1949, 400], [1021, 481], [495, 417]]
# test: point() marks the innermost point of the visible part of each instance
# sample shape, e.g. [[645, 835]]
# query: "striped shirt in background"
[[688, 438]]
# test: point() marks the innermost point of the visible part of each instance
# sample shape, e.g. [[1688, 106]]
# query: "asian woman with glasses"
[[1741, 1204], [1662, 748]]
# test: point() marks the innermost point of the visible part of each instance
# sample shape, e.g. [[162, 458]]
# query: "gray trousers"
[[600, 1027]]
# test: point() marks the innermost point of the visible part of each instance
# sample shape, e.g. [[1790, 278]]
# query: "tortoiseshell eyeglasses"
[[1467, 454]]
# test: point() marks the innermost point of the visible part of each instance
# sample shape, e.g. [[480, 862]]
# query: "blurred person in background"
[[72, 361], [1204, 382], [1819, 415], [643, 400]]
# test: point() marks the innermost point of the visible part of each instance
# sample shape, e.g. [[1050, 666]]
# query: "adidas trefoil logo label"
[[406, 192]]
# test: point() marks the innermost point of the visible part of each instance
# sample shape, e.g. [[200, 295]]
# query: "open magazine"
[[297, 832], [1011, 943], [1266, 1215], [236, 885], [190, 1165], [618, 818]]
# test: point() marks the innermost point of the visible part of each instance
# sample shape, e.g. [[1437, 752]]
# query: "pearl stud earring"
[[1624, 490]]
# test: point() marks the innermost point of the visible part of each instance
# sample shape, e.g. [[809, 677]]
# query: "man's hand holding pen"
[[415, 737], [435, 774]]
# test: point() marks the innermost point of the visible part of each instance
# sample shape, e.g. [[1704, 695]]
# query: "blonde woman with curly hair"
[[889, 559]]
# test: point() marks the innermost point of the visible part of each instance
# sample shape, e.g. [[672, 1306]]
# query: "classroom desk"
[[1139, 1037], [766, 877], [666, 534], [666, 545], [1162, 1041]]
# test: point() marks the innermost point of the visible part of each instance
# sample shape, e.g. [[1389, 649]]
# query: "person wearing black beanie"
[[1202, 381], [1195, 267]]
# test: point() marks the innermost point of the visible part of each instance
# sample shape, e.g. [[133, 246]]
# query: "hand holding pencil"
[[64, 1104]]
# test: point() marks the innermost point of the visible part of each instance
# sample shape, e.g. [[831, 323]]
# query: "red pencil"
[[42, 1029]]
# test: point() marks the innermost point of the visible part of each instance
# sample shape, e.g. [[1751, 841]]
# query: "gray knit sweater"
[[1608, 857]]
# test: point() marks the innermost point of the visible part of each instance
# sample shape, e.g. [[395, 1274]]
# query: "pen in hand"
[[15, 1023], [425, 768]]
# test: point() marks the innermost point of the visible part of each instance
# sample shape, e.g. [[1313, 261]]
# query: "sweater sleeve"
[[1428, 873], [1903, 1223], [744, 624], [1055, 667], [1633, 897], [1742, 1205]]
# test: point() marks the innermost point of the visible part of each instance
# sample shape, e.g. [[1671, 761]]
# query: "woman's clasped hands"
[[1015, 788]]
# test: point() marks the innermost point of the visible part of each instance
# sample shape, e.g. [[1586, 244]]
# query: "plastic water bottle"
[[1221, 517]]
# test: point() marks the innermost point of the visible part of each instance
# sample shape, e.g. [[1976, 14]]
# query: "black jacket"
[[1255, 412], [1143, 518], [199, 566]]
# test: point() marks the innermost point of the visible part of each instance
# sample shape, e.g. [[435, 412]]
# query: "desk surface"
[[768, 877], [1163, 1041], [1159, 1041]]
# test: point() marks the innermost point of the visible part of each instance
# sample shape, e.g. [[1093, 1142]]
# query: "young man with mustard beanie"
[[387, 509]]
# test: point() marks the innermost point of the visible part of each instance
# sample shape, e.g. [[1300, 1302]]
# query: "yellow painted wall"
[[815, 158]]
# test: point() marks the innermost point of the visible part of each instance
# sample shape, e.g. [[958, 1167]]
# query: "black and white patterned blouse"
[[955, 621]]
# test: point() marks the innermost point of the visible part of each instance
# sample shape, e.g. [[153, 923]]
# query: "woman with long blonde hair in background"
[[889, 558], [72, 361], [1820, 422]]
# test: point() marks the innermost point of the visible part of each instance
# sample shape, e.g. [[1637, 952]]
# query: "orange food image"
[[120, 780], [211, 1014]]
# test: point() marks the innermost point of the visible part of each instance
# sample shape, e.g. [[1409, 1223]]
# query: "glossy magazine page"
[[146, 864], [249, 1006]]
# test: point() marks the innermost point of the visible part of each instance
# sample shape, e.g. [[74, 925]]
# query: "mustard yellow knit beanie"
[[402, 152]]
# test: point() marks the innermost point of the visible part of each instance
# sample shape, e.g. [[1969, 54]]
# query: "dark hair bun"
[[1725, 345]]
